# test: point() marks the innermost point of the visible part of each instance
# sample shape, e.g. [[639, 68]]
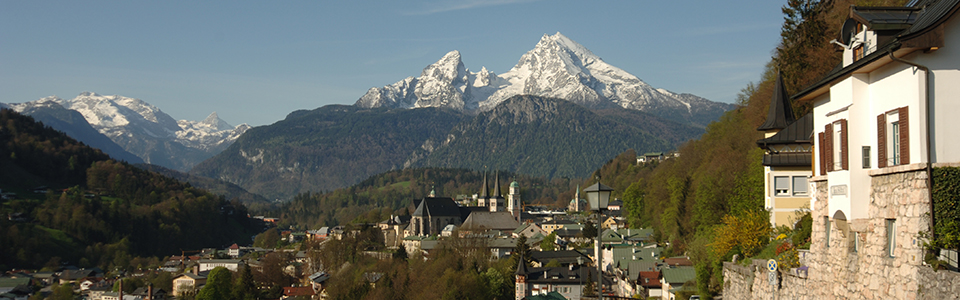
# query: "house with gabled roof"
[[787, 157], [883, 123]]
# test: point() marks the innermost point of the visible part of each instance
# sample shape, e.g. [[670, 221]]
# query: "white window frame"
[[891, 237], [893, 138], [837, 146]]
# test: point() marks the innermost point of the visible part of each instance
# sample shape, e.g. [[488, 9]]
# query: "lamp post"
[[598, 195]]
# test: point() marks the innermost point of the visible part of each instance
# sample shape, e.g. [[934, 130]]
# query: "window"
[[858, 53], [866, 157], [826, 224], [799, 185], [834, 151], [837, 148], [781, 185], [891, 237], [893, 142], [789, 186]]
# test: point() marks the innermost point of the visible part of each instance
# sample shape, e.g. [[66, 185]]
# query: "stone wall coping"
[[897, 169], [818, 178], [946, 164]]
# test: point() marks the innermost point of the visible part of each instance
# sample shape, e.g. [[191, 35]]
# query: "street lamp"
[[598, 195]]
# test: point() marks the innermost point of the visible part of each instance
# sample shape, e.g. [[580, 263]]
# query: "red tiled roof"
[[234, 246], [298, 291], [649, 278]]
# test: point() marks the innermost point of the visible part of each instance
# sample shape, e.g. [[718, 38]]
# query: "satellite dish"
[[847, 31]]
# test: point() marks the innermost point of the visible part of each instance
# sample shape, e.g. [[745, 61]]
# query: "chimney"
[[196, 269], [149, 292], [120, 290]]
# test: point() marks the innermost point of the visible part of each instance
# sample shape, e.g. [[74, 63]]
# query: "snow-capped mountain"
[[146, 131], [557, 67]]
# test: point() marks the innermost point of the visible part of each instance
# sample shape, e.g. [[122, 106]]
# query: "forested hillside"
[[393, 192], [327, 148], [97, 211], [552, 137], [716, 184]]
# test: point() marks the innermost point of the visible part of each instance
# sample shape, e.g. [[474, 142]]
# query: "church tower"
[[522, 290], [484, 192], [513, 200], [497, 202]]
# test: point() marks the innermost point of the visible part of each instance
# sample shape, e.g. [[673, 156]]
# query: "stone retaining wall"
[[857, 263]]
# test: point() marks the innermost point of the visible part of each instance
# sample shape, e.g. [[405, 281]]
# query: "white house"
[[881, 122]]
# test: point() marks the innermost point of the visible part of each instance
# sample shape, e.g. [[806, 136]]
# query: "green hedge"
[[946, 207]]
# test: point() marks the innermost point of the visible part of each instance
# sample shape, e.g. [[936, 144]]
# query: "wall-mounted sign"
[[838, 190]]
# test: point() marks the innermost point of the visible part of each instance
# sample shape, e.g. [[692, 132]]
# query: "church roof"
[[485, 220], [781, 111], [437, 207]]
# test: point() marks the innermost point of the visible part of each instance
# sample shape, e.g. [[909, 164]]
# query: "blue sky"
[[256, 61]]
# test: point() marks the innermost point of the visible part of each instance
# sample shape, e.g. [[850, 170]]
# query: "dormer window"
[[858, 52]]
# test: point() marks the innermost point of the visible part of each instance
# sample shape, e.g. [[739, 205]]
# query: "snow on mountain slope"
[[148, 132], [556, 67]]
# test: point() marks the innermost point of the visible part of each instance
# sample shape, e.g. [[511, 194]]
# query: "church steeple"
[[781, 111], [496, 187], [484, 191]]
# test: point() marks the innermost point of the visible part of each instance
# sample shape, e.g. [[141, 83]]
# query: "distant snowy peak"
[[556, 67], [125, 118]]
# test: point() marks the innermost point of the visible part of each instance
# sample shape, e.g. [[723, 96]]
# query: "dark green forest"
[[94, 211]]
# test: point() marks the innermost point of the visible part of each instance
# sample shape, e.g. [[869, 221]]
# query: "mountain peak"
[[214, 121], [557, 67]]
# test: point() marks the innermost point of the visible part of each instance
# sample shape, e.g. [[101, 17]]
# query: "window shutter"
[[828, 142], [882, 141], [904, 136], [844, 154], [823, 154]]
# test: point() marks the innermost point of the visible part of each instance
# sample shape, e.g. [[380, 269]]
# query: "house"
[[318, 280], [529, 230], [650, 157], [883, 121], [231, 264], [569, 280], [70, 276], [319, 234], [234, 250], [392, 229], [433, 214], [673, 280], [484, 221], [563, 257], [551, 226], [649, 283], [188, 283], [615, 204], [304, 291], [787, 157]]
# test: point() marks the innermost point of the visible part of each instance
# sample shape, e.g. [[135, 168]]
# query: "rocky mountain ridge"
[[557, 67], [145, 130]]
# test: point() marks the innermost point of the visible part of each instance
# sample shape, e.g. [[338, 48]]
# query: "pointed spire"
[[496, 187], [521, 268], [781, 111], [484, 191]]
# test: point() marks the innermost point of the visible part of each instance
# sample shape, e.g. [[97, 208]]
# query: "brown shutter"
[[882, 141], [823, 155], [844, 154], [828, 143], [902, 113]]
